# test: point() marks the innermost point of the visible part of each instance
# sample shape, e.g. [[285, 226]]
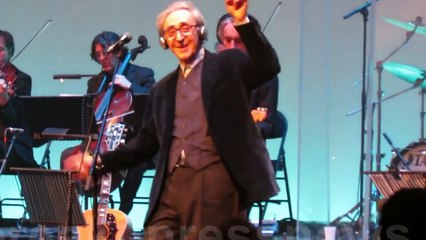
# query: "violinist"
[[13, 83], [135, 79]]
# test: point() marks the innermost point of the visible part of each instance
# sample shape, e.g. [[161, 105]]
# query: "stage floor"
[[306, 231]]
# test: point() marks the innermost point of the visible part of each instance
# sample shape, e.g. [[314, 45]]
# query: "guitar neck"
[[113, 138], [105, 190]]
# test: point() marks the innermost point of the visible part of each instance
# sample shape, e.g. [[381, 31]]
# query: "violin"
[[8, 73]]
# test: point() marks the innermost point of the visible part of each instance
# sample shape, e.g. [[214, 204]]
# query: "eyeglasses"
[[184, 29]]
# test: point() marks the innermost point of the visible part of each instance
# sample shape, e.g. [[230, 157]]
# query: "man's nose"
[[179, 36], [101, 57]]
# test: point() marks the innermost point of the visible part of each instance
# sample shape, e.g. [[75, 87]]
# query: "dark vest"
[[192, 145]]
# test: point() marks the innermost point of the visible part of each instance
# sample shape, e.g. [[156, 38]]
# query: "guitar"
[[112, 224]]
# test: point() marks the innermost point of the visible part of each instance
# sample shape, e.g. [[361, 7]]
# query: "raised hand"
[[237, 9]]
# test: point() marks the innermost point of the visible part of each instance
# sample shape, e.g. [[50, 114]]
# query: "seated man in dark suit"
[[263, 99]]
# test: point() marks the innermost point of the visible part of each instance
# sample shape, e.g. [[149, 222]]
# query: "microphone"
[[387, 139], [15, 130], [398, 154], [125, 38], [71, 76], [66, 76], [358, 9]]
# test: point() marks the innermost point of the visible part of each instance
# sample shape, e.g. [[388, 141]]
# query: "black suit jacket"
[[13, 115], [141, 78], [227, 79], [267, 96]]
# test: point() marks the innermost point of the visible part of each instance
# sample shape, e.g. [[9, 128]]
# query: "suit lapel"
[[169, 98], [207, 81]]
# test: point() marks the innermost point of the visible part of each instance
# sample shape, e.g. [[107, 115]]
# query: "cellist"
[[135, 79], [13, 83]]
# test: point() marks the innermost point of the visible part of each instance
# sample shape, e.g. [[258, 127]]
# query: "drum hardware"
[[406, 72], [379, 68], [415, 26], [418, 27], [419, 82], [398, 155], [414, 76], [414, 155]]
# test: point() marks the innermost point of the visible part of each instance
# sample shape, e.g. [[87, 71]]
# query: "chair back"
[[278, 162]]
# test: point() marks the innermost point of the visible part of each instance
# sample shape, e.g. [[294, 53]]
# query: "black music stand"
[[71, 113], [58, 118], [51, 198]]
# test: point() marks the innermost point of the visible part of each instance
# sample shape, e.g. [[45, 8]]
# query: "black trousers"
[[195, 203], [131, 184]]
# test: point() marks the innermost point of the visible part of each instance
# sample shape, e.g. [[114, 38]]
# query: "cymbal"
[[409, 26], [405, 72]]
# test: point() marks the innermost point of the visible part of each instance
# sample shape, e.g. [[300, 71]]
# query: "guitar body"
[[117, 226], [80, 161]]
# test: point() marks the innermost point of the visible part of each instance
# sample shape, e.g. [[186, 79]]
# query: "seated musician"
[[13, 83], [135, 79], [264, 99]]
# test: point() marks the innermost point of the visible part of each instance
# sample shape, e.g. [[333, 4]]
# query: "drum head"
[[414, 155]]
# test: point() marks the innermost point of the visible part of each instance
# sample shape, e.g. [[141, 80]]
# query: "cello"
[[80, 158]]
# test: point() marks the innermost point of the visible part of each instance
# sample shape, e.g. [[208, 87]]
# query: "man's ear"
[[219, 47]]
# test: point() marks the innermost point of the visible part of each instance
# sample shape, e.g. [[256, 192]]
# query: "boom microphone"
[[15, 130], [125, 38]]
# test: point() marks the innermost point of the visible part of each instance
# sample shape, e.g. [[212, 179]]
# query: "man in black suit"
[[213, 162], [13, 83], [263, 99]]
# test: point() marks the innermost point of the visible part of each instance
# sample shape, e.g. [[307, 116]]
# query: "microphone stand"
[[364, 12], [5, 159], [109, 93], [93, 172], [422, 115], [363, 9]]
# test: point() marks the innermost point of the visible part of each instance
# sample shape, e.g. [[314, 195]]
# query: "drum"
[[414, 155]]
